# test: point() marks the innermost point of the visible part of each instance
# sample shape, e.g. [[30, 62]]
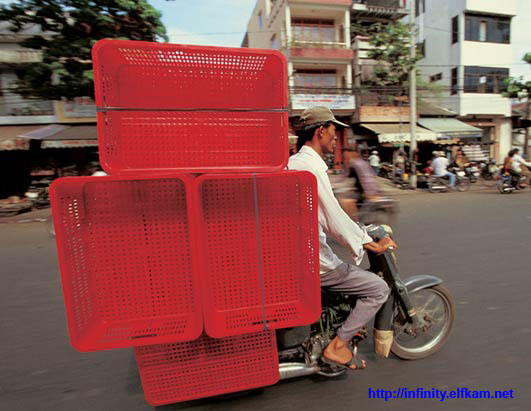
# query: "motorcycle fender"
[[419, 282]]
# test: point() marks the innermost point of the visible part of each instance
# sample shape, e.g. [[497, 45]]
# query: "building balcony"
[[388, 9], [382, 106], [27, 108], [20, 56], [26, 112], [322, 2], [303, 49]]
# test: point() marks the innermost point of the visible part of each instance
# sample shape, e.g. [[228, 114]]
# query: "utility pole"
[[412, 99], [526, 129]]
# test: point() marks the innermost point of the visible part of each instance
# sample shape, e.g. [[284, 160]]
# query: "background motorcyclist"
[[316, 139], [440, 165], [520, 166]]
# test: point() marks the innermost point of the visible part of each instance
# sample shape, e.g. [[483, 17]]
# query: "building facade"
[[314, 35], [468, 49]]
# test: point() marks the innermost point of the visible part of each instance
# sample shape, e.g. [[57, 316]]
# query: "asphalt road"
[[478, 242]]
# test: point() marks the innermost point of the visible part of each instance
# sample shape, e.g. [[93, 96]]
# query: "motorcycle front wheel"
[[462, 184], [435, 308]]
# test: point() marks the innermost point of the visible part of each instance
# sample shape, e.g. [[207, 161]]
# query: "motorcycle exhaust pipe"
[[296, 369]]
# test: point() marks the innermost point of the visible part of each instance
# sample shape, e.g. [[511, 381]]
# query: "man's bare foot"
[[338, 352]]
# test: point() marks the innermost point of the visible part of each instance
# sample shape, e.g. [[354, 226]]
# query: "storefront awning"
[[10, 140], [450, 128], [399, 132], [62, 136]]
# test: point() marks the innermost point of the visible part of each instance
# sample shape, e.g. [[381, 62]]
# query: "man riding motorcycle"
[[316, 139], [439, 166]]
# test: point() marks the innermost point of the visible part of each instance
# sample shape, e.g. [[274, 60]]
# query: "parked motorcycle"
[[472, 173], [419, 316], [385, 170], [38, 193], [442, 184], [488, 169]]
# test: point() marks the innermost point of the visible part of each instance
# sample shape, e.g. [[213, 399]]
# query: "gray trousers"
[[371, 290]]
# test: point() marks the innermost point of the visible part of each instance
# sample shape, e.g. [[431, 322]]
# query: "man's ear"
[[317, 132]]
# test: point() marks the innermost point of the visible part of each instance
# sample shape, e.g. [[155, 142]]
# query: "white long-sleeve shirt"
[[518, 160], [332, 219]]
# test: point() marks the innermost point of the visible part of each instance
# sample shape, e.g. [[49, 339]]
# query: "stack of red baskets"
[[194, 271]]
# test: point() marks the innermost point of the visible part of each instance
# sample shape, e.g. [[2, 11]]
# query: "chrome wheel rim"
[[433, 306]]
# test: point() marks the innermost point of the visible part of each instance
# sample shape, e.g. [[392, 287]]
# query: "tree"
[[390, 48], [518, 88], [68, 30]]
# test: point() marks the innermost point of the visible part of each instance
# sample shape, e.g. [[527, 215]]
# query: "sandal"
[[355, 360]]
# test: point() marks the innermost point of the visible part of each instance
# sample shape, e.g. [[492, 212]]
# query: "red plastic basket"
[[206, 367], [258, 274], [126, 262], [190, 108]]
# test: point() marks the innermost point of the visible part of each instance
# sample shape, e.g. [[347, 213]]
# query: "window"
[[455, 29], [418, 9], [485, 79], [454, 81], [482, 31], [313, 30], [436, 77], [274, 42], [491, 29], [421, 48], [260, 20], [310, 78]]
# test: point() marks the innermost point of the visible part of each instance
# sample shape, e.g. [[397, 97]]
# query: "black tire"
[[431, 183], [438, 342], [462, 184]]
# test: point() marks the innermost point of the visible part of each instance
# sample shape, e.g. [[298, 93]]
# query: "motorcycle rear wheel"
[[431, 184], [425, 343]]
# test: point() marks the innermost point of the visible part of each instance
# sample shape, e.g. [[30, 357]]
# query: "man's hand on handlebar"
[[381, 246]]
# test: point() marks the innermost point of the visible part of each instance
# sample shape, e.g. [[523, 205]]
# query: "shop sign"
[[332, 101]]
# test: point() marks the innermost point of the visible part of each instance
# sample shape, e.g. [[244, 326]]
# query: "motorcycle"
[[442, 184], [505, 184], [384, 210], [417, 320], [488, 169], [472, 173], [385, 170]]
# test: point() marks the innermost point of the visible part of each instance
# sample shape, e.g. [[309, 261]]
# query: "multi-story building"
[[29, 126], [314, 35], [467, 48]]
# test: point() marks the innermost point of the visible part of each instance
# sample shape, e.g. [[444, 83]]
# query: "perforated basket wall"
[[207, 366], [190, 108], [258, 271], [126, 262]]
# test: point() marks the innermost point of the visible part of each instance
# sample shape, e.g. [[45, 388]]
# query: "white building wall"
[[505, 142], [493, 6], [521, 39]]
